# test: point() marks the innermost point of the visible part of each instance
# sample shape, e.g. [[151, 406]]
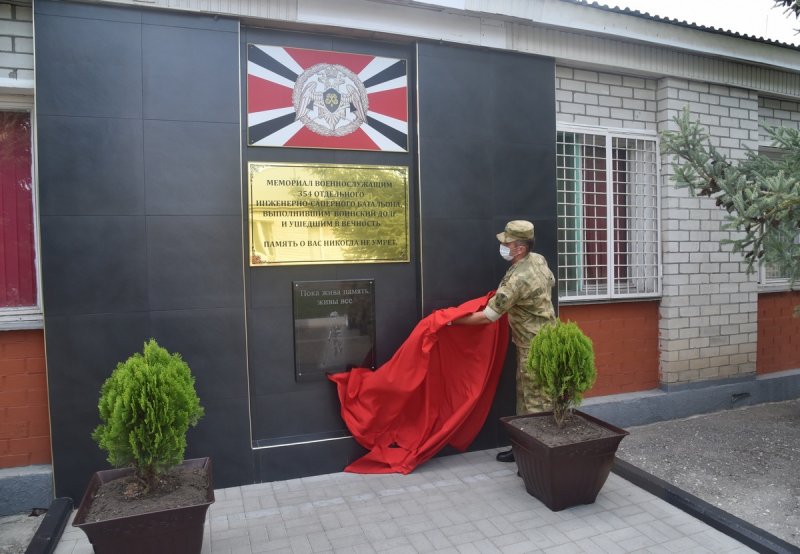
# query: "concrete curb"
[[49, 532], [25, 488], [642, 408], [744, 532]]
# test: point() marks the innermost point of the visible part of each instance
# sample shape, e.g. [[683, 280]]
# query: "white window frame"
[[610, 133], [775, 284], [28, 317], [765, 282]]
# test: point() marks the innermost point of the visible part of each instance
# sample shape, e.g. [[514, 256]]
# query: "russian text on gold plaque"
[[327, 214]]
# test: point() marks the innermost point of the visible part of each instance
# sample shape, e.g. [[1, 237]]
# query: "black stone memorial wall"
[[143, 209]]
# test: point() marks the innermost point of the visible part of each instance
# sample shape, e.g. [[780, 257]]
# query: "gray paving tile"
[[276, 531], [421, 543], [257, 534], [230, 543], [463, 504], [486, 546], [576, 529], [467, 538], [438, 540], [507, 540], [521, 548], [660, 531], [300, 545], [416, 523], [568, 548], [636, 542], [396, 544], [349, 540], [273, 545], [319, 541], [605, 545]]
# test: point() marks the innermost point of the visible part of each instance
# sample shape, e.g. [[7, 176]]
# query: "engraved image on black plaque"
[[334, 327]]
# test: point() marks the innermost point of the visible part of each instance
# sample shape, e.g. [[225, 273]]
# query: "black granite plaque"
[[334, 327]]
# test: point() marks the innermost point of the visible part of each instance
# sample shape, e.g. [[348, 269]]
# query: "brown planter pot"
[[176, 530], [568, 475]]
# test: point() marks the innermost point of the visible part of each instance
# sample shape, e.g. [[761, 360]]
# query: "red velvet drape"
[[435, 390]]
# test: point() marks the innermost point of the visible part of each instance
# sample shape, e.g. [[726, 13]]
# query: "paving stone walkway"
[[467, 503]]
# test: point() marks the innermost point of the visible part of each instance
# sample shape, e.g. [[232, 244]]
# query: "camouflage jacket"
[[524, 293]]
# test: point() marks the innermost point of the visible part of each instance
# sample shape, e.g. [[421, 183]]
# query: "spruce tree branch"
[[761, 196]]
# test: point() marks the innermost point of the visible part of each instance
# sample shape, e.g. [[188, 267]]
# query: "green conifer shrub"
[[146, 407], [561, 363]]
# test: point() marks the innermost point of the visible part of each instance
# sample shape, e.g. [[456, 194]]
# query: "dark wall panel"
[[82, 350], [191, 263], [84, 154], [93, 264], [487, 156], [169, 166], [141, 222], [186, 91], [74, 51]]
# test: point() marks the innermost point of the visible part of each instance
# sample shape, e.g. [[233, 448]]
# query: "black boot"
[[505, 456]]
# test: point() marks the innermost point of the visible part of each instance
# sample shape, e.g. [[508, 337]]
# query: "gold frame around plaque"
[[327, 214]]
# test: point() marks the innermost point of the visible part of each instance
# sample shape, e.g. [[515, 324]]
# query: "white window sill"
[[18, 322], [607, 300], [778, 286]]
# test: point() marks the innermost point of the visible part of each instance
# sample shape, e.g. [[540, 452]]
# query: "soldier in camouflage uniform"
[[524, 294]]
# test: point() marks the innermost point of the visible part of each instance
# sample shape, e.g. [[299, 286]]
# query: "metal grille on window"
[[773, 275], [607, 216]]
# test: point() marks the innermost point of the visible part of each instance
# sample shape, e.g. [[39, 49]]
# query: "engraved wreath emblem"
[[330, 100]]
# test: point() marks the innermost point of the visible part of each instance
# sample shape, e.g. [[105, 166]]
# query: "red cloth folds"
[[436, 390]]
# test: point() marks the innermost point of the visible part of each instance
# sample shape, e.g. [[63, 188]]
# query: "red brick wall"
[[778, 332], [24, 418], [625, 338]]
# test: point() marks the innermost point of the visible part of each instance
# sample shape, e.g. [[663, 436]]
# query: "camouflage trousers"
[[529, 398]]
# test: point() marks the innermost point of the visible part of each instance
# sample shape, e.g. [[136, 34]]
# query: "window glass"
[[17, 251]]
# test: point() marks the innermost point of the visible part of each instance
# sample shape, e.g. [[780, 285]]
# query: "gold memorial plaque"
[[327, 214]]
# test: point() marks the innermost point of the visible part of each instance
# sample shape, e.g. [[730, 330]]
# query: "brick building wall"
[[24, 417], [708, 310], [16, 42], [605, 99], [778, 332], [709, 302], [776, 112], [625, 339]]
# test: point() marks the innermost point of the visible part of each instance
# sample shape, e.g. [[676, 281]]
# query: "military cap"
[[518, 229]]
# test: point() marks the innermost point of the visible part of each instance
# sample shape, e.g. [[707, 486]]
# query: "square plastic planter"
[[568, 475], [173, 531]]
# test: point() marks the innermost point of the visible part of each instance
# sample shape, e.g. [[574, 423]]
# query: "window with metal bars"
[[608, 228], [770, 276]]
